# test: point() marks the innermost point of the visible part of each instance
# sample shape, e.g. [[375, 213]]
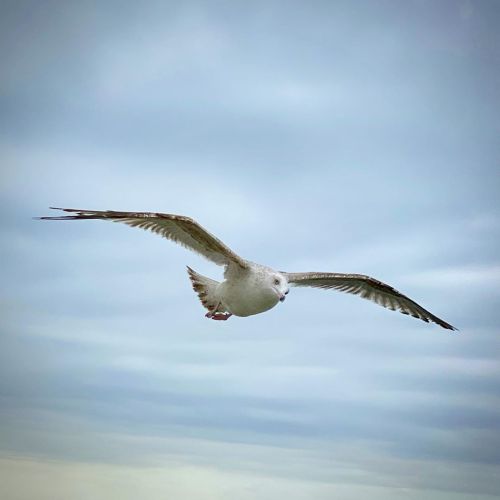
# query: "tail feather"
[[206, 290]]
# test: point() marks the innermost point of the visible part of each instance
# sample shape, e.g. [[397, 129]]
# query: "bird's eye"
[[276, 281]]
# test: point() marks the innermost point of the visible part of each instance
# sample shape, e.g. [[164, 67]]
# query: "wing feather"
[[367, 288], [178, 228]]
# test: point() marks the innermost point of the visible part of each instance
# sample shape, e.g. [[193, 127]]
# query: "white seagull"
[[249, 288]]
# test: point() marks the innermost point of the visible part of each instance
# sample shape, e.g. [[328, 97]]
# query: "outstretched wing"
[[178, 228], [367, 288]]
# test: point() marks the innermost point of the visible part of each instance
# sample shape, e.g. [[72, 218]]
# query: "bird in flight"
[[249, 288]]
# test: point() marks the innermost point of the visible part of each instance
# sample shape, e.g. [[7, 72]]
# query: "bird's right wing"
[[367, 288], [178, 228]]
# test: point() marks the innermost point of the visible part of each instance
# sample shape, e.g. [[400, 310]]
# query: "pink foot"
[[218, 316]]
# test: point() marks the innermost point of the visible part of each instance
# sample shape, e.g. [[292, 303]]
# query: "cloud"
[[321, 137], [467, 277]]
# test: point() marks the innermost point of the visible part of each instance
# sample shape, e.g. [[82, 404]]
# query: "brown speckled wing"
[[367, 288], [178, 228]]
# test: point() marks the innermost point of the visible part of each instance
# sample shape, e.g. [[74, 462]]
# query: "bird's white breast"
[[247, 294]]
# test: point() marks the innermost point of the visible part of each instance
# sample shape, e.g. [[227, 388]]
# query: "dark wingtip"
[[46, 217], [62, 217]]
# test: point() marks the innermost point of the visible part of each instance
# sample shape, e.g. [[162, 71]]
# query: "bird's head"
[[279, 284]]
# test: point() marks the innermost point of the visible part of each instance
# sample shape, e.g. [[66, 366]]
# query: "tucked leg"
[[220, 316]]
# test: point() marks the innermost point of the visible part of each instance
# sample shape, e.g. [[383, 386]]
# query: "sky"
[[345, 136]]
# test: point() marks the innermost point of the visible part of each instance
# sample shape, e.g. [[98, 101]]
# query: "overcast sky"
[[348, 136]]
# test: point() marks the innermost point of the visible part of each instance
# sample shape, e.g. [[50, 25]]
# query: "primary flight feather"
[[249, 288]]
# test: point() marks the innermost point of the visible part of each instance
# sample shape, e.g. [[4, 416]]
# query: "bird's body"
[[250, 288]]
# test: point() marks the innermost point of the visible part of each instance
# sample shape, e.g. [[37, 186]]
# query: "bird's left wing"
[[179, 228], [367, 288]]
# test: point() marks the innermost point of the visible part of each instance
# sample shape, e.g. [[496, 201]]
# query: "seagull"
[[249, 288]]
